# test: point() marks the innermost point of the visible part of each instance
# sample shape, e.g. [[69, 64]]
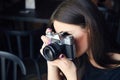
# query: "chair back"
[[5, 57], [23, 42], [27, 44]]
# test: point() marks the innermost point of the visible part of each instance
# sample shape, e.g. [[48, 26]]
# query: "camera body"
[[61, 43]]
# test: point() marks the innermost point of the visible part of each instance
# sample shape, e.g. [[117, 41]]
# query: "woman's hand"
[[66, 66], [53, 71]]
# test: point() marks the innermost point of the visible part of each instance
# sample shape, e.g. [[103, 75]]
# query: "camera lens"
[[52, 51], [48, 53]]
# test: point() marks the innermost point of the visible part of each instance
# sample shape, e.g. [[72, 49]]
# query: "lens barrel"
[[52, 51]]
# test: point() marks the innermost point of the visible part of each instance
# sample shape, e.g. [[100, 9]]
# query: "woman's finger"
[[46, 41], [48, 30]]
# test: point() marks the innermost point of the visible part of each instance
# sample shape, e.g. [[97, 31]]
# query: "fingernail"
[[49, 29], [49, 41], [61, 56]]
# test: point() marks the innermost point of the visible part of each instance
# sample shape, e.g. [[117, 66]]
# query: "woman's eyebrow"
[[65, 31], [61, 31]]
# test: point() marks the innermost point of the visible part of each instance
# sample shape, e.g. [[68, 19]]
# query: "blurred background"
[[22, 22]]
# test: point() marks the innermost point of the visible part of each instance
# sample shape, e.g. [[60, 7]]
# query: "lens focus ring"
[[52, 51]]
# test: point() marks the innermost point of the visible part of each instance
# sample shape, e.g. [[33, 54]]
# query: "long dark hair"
[[85, 13]]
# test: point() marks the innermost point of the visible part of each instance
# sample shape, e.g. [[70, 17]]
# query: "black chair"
[[5, 58], [14, 40], [27, 45]]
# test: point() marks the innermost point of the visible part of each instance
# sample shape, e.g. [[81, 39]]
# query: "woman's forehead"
[[60, 26]]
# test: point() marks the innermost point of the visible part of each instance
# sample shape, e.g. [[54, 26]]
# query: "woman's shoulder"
[[95, 73]]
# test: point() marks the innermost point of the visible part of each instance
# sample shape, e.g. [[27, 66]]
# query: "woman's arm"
[[116, 56], [53, 72]]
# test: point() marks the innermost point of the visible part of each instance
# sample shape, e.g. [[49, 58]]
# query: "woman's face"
[[79, 34]]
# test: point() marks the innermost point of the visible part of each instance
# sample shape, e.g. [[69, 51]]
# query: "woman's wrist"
[[53, 72], [72, 76], [50, 65]]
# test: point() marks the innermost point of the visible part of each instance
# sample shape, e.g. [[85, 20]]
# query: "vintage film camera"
[[60, 43]]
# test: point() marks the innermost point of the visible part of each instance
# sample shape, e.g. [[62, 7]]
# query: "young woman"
[[95, 58]]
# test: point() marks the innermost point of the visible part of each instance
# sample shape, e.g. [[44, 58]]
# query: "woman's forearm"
[[53, 73]]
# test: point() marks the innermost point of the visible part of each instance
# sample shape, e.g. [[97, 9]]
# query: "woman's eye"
[[61, 32], [66, 32]]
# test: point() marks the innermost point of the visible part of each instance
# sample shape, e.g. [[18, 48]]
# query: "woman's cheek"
[[81, 46], [78, 49]]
